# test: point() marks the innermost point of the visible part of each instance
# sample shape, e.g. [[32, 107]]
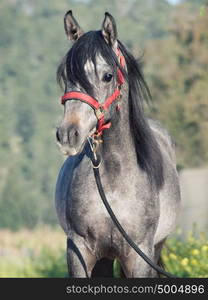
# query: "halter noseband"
[[99, 108]]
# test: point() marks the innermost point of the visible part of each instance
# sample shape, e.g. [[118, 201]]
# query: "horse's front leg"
[[79, 259], [134, 266]]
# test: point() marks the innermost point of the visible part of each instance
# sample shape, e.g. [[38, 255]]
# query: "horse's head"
[[92, 72]]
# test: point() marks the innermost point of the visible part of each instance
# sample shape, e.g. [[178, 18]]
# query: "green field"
[[32, 253], [41, 253]]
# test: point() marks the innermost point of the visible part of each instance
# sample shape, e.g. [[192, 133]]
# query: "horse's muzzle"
[[68, 139]]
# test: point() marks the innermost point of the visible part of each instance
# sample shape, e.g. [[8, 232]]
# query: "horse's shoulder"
[[63, 184], [66, 173], [67, 166]]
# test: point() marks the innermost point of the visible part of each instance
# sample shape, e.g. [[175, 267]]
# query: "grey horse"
[[138, 168]]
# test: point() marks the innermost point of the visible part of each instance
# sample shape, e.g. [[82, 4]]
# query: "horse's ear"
[[109, 30], [72, 28]]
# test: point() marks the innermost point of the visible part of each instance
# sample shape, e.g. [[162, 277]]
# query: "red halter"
[[98, 107]]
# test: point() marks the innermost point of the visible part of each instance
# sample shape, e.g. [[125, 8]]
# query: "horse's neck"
[[118, 143]]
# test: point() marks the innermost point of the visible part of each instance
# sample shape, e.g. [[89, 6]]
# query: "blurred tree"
[[32, 42], [179, 86]]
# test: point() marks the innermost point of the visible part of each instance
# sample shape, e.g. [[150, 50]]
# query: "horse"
[[104, 98]]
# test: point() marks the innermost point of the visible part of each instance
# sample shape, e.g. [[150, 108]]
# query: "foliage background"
[[26, 254], [173, 43]]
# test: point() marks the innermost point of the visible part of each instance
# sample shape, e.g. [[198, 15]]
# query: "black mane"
[[148, 153], [72, 69]]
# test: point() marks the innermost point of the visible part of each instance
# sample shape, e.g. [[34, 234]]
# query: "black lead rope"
[[96, 164]]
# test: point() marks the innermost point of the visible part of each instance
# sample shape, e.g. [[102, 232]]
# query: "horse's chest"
[[89, 218], [92, 221]]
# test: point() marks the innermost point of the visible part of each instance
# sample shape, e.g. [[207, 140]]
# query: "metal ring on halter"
[[94, 144], [94, 147]]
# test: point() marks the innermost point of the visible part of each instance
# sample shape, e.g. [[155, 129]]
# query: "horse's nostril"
[[73, 135], [58, 136]]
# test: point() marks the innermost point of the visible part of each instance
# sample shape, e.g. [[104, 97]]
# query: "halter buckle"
[[99, 113]]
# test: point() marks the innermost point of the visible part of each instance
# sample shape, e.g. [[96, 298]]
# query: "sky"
[[174, 1]]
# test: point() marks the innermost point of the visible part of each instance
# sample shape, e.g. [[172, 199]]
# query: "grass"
[[33, 253], [187, 258], [41, 253]]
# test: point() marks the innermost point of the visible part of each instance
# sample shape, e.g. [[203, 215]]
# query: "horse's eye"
[[107, 77]]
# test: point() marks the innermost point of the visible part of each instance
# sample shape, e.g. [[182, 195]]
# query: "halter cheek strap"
[[99, 108]]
